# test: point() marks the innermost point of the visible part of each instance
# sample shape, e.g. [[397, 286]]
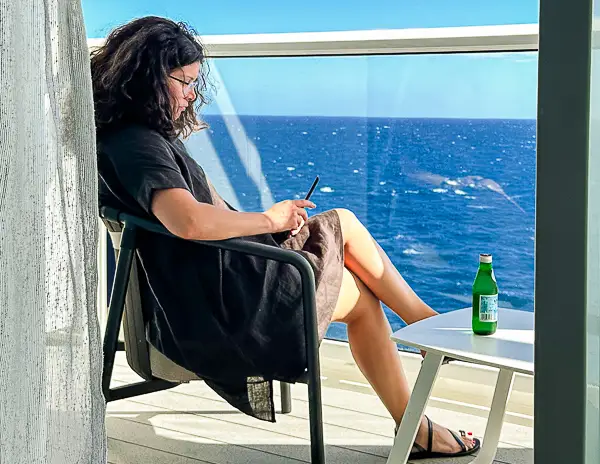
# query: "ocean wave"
[[411, 251]]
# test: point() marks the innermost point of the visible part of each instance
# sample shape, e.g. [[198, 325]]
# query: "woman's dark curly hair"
[[130, 72]]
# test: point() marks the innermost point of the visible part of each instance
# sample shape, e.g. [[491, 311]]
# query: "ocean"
[[433, 192]]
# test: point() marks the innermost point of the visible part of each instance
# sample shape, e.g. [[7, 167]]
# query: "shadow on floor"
[[135, 438]]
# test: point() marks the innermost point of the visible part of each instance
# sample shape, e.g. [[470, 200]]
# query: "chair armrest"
[[233, 244]]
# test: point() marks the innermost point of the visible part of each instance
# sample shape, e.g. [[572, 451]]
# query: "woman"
[[233, 319]]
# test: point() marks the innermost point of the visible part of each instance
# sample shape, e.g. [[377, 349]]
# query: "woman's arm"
[[187, 218]]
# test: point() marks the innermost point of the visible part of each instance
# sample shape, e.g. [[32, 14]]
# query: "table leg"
[[409, 426], [494, 426]]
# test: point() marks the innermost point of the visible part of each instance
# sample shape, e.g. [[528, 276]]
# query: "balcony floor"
[[190, 424]]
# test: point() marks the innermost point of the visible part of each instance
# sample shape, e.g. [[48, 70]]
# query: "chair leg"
[[315, 407], [315, 411], [140, 388], [286, 398]]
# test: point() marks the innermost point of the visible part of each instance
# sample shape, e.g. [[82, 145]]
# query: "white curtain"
[[51, 405]]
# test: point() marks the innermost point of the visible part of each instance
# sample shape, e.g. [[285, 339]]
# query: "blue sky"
[[476, 86]]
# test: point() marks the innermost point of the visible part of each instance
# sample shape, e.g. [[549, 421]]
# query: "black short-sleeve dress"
[[234, 320]]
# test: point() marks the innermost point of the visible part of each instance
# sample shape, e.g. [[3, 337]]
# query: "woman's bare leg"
[[377, 356], [374, 352], [365, 258]]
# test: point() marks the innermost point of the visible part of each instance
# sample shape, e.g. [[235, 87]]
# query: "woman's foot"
[[443, 441], [434, 441]]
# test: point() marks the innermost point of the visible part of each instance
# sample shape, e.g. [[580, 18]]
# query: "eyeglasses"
[[186, 86]]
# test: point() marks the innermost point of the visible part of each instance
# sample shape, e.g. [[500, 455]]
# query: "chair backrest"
[[142, 357]]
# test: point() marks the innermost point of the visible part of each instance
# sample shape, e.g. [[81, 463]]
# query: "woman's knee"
[[348, 221], [346, 215]]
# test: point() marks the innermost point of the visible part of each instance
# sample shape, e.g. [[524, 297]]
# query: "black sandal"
[[423, 453]]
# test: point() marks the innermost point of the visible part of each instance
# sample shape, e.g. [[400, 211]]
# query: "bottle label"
[[488, 308]]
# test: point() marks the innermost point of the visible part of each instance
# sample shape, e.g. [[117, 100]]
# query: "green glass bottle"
[[485, 298]]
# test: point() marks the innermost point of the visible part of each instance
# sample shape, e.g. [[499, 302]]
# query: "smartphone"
[[312, 188]]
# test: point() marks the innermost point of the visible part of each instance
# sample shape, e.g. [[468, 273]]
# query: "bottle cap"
[[485, 258]]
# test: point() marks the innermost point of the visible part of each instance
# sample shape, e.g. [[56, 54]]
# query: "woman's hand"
[[288, 215]]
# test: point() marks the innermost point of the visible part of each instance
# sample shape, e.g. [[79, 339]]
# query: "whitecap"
[[291, 168], [310, 163], [411, 251], [382, 182], [411, 191], [451, 182], [479, 206], [438, 190], [470, 197], [460, 192], [359, 135], [355, 171], [334, 133], [304, 133], [386, 127], [326, 189]]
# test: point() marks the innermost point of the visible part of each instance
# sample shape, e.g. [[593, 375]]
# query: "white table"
[[510, 349]]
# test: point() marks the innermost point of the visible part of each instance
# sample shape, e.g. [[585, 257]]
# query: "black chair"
[[158, 371]]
